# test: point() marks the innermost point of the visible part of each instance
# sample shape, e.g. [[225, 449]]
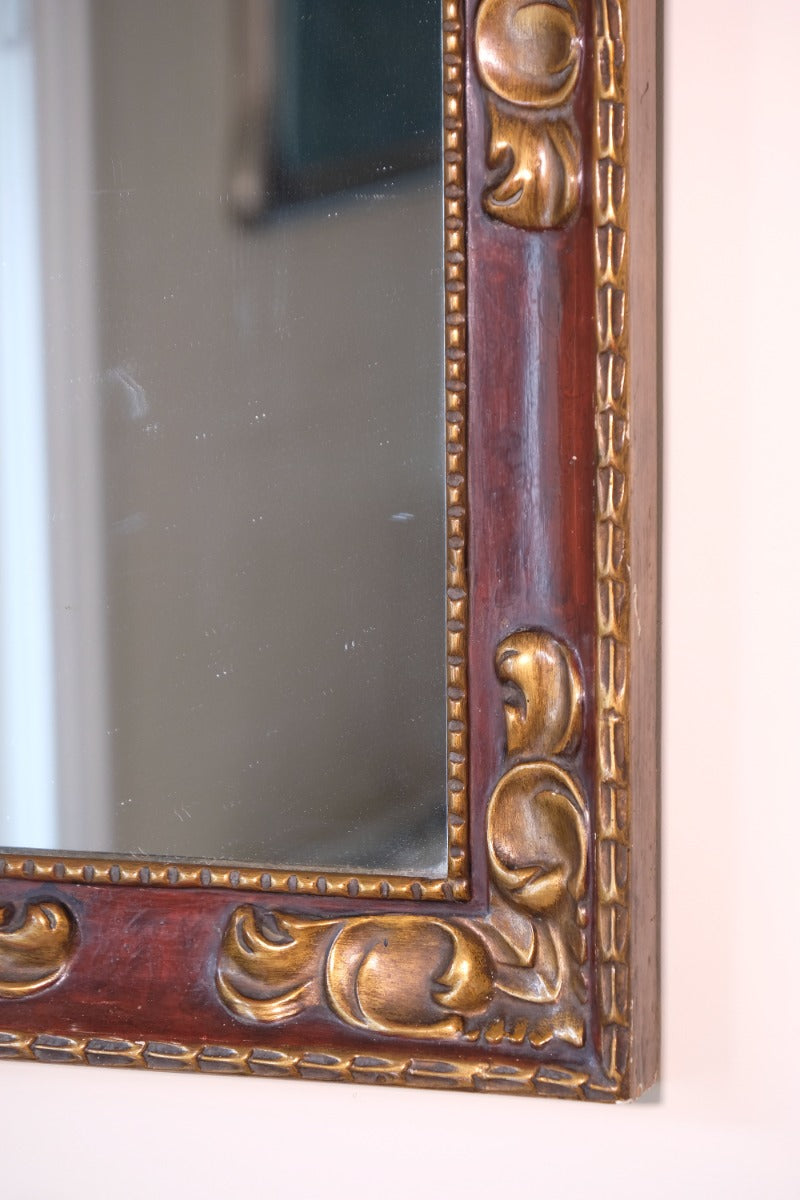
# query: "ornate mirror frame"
[[532, 967]]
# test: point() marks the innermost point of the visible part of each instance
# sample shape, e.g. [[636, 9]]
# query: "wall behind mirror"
[[222, 432]]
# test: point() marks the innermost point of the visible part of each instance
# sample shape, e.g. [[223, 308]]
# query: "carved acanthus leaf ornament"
[[529, 57], [517, 972], [36, 944]]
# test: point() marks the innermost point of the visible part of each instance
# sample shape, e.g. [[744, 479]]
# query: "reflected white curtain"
[[54, 760], [27, 736]]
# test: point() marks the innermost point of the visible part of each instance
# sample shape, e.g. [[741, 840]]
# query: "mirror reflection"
[[222, 456]]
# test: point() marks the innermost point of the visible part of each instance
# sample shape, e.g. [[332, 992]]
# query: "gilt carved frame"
[[532, 967]]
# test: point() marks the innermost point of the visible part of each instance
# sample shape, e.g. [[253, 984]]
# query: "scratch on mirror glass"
[[130, 524], [134, 393]]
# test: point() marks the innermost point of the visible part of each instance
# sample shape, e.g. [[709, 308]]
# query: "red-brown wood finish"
[[531, 447]]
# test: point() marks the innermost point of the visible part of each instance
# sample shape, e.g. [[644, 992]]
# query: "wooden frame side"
[[643, 92]]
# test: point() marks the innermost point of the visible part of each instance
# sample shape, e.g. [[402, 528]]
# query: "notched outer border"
[[323, 1063], [612, 535]]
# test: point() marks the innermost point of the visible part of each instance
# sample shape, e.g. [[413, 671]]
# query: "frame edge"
[[643, 132]]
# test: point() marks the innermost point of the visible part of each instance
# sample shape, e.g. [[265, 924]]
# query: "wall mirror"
[[327, 535]]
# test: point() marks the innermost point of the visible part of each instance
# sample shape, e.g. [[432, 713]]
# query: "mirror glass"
[[222, 505]]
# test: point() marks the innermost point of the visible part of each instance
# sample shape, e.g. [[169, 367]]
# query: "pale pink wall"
[[724, 1123]]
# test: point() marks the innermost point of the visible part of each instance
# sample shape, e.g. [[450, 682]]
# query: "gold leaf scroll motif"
[[518, 969], [35, 949], [528, 58], [396, 974]]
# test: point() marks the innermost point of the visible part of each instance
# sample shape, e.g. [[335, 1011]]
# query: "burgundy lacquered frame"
[[548, 312]]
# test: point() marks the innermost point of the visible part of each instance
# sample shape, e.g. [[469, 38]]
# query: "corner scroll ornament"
[[36, 945], [516, 974], [528, 55]]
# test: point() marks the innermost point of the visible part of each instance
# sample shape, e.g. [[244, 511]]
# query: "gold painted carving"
[[48, 868], [455, 321], [516, 974], [529, 57], [395, 974], [322, 1063], [612, 536], [35, 948]]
